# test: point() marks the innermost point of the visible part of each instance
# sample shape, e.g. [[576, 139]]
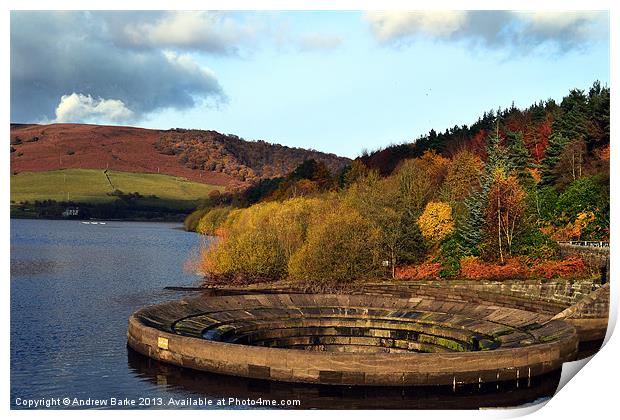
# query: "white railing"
[[596, 244]]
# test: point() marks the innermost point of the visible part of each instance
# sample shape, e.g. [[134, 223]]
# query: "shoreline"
[[155, 220]]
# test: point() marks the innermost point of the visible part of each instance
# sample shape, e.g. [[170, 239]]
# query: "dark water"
[[73, 286]]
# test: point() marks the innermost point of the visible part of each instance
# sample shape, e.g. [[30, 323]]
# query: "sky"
[[334, 81]]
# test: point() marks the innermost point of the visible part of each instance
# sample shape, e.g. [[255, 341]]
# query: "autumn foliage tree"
[[386, 205], [342, 246], [505, 213], [463, 175], [462, 178], [420, 179], [436, 221], [257, 242], [212, 220]]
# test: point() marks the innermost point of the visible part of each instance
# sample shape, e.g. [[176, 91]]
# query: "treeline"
[[491, 198], [581, 119], [309, 178], [245, 161], [126, 206]]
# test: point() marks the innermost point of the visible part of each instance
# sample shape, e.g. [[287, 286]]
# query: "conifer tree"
[[519, 159], [470, 233], [572, 125], [557, 143]]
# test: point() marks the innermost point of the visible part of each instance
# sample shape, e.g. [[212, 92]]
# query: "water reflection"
[[20, 268], [504, 394]]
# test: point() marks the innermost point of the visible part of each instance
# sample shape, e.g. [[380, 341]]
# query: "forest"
[[245, 161], [486, 201]]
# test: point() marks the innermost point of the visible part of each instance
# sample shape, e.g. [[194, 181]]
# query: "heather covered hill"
[[201, 156], [247, 161]]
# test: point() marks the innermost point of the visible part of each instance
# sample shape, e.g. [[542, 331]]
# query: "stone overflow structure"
[[594, 253], [460, 397], [400, 334]]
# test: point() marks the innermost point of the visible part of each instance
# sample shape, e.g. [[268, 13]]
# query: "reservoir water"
[[73, 286]]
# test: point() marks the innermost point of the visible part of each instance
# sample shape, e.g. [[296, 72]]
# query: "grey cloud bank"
[[56, 54]]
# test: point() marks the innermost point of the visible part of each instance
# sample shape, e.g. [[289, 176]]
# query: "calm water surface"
[[73, 286]]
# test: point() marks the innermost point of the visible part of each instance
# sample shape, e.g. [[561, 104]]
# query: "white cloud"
[[316, 41], [84, 108], [206, 31], [557, 20], [498, 28], [388, 25], [213, 32], [188, 65], [575, 25]]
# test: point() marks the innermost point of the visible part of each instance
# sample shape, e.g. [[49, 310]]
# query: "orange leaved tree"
[[436, 221]]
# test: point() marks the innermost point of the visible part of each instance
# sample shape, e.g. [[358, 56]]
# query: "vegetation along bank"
[[486, 201]]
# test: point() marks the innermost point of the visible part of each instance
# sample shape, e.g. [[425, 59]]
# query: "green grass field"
[[91, 186]]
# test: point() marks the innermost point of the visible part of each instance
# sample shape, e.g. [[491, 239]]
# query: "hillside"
[[95, 186], [246, 161], [201, 156], [105, 195]]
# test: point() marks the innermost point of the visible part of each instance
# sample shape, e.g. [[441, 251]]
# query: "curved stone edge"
[[549, 297], [592, 329], [349, 368], [590, 315]]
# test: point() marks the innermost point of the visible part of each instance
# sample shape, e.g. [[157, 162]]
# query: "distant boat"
[[86, 223]]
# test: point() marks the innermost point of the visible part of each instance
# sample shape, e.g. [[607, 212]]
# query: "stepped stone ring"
[[352, 339]]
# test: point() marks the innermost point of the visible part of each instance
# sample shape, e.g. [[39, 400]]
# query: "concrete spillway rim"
[[385, 369]]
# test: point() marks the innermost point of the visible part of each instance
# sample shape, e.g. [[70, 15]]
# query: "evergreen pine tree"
[[557, 143], [570, 126], [598, 104], [519, 159], [497, 154], [470, 232], [573, 123]]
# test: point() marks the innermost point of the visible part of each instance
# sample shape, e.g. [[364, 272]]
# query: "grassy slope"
[[91, 186]]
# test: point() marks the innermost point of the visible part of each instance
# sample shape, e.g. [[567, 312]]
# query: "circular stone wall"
[[348, 339]]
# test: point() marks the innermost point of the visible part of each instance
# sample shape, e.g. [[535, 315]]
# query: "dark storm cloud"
[[54, 54]]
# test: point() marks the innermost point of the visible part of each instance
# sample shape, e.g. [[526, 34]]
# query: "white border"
[[592, 394]]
